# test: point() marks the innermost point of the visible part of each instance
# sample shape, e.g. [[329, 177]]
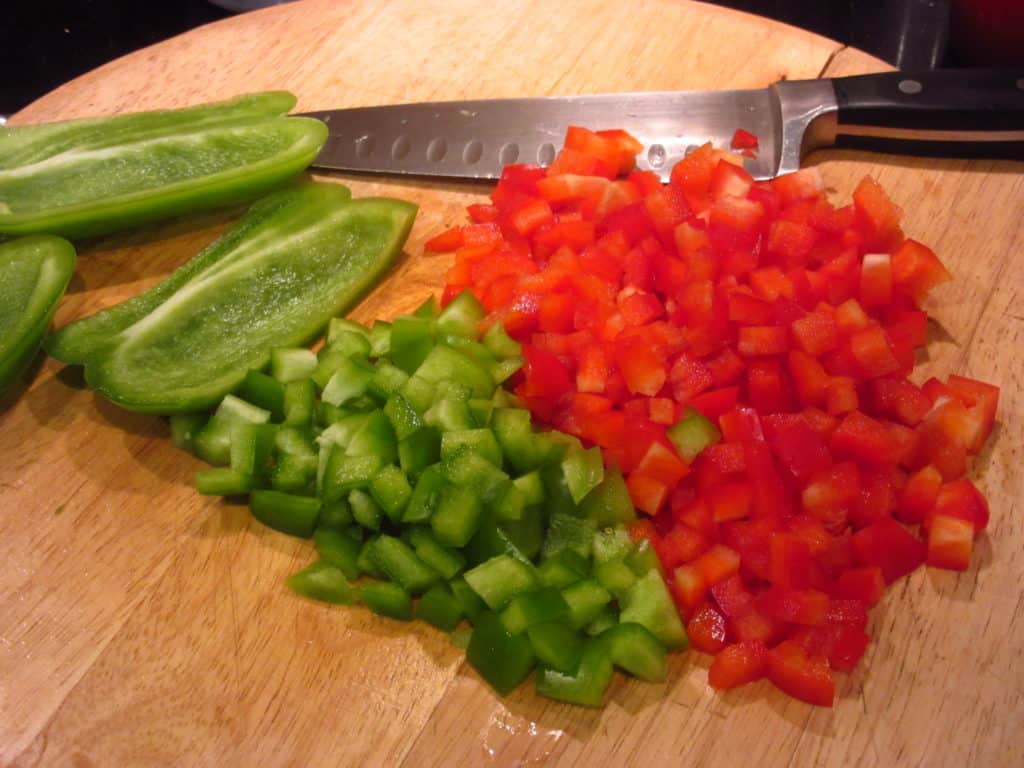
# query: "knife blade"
[[970, 113]]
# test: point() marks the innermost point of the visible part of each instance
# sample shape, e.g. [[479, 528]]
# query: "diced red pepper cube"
[[738, 664], [889, 546]]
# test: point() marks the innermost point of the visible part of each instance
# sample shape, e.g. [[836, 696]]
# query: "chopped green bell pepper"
[[386, 599], [587, 684], [692, 434], [322, 581], [502, 659]]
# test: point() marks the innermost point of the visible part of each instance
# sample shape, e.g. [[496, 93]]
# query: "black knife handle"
[[944, 112]]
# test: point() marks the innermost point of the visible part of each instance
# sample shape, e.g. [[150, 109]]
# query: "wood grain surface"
[[143, 625]]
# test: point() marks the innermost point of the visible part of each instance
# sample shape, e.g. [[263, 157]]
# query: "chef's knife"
[[953, 113]]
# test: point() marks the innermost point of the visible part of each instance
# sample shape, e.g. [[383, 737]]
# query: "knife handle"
[[944, 112]]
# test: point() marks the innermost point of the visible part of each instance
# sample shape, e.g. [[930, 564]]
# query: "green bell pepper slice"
[[634, 649], [89, 177], [649, 604], [295, 260], [34, 272], [386, 599], [440, 608], [692, 434]]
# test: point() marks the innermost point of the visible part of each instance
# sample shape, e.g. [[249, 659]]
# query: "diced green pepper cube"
[[327, 361], [480, 441], [612, 543], [635, 650], [503, 370], [412, 338], [440, 608], [557, 499], [387, 380], [445, 363], [587, 685], [429, 309], [527, 533], [185, 427], [511, 504], [419, 450], [586, 598], [557, 572], [419, 393], [525, 610], [285, 512], [445, 560], [531, 486], [569, 532], [213, 441], [515, 435], [470, 470], [380, 338], [335, 515], [491, 540], [449, 414], [322, 581], [401, 565], [425, 496], [615, 576], [339, 325], [350, 380], [292, 475], [386, 599], [403, 417], [643, 558], [472, 604], [583, 470], [351, 341], [500, 343], [457, 515], [346, 473], [263, 391], [502, 659], [649, 604], [292, 363], [222, 481], [366, 563], [391, 490], [692, 434], [480, 410], [556, 645], [462, 316], [606, 618], [338, 549], [299, 402], [251, 447], [376, 438], [365, 510], [501, 578]]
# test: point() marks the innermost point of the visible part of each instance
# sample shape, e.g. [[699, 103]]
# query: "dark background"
[[46, 42]]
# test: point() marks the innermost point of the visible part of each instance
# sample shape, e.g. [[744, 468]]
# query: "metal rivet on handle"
[[436, 150], [910, 87], [546, 154], [509, 153], [656, 155], [365, 145], [400, 148], [472, 152]]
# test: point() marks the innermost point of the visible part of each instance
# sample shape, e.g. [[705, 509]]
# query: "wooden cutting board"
[[143, 625]]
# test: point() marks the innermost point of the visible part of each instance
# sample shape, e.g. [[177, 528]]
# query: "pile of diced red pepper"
[[791, 325]]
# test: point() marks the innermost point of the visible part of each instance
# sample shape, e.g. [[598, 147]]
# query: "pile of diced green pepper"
[[429, 495]]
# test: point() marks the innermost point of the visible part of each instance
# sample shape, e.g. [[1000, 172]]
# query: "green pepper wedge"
[[265, 220], [93, 176], [308, 253], [34, 272]]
